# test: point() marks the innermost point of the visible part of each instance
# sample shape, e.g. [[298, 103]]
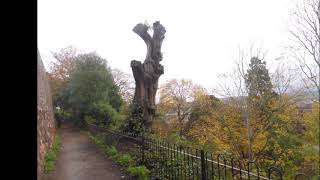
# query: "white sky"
[[201, 41]]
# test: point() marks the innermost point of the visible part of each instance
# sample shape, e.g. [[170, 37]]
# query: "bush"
[[103, 114], [99, 141], [111, 151], [125, 160], [178, 139], [89, 119], [139, 171], [133, 124]]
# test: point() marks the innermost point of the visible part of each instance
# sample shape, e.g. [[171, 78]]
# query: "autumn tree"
[[252, 122], [65, 62], [178, 97], [175, 96], [60, 71], [310, 150], [260, 96], [202, 106]]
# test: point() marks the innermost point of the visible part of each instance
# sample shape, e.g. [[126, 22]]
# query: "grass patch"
[[52, 154]]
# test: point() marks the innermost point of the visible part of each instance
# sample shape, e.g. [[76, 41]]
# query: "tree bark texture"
[[146, 74]]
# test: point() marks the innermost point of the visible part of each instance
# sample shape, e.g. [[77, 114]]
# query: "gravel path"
[[79, 159]]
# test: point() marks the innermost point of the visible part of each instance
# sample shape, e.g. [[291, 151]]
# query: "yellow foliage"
[[311, 120], [160, 128]]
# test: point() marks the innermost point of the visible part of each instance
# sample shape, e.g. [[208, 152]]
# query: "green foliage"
[[257, 78], [178, 139], [134, 123], [51, 155], [103, 114], [311, 145], [62, 114], [90, 120], [125, 160], [111, 151], [139, 171], [99, 141], [91, 91]]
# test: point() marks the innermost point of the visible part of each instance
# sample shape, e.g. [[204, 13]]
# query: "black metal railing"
[[173, 162]]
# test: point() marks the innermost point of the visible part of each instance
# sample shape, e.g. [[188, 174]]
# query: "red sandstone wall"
[[45, 117]]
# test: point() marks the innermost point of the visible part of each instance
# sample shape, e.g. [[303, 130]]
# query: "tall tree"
[[260, 96], [146, 74], [305, 29], [60, 71], [254, 122], [65, 62], [91, 83], [257, 79], [305, 50]]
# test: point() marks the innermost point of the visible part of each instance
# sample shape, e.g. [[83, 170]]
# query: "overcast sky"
[[201, 41]]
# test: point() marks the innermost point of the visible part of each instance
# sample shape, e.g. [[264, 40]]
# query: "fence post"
[[203, 166]]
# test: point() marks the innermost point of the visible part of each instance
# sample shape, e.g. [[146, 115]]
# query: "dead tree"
[[146, 74]]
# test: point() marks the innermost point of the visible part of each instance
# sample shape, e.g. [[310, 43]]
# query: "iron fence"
[[173, 162]]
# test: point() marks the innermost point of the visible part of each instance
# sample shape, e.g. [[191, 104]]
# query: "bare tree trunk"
[[146, 74]]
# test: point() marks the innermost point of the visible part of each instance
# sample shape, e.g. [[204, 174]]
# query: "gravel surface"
[[80, 159]]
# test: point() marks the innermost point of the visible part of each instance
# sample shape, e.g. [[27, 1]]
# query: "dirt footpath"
[[79, 159]]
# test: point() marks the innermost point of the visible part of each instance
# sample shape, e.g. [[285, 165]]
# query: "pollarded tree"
[[147, 74]]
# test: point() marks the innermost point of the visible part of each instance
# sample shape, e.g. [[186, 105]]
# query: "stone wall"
[[45, 118]]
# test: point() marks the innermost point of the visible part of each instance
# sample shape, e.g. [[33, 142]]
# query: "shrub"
[[139, 171], [103, 114], [89, 119], [125, 160], [133, 124], [99, 141], [111, 151]]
